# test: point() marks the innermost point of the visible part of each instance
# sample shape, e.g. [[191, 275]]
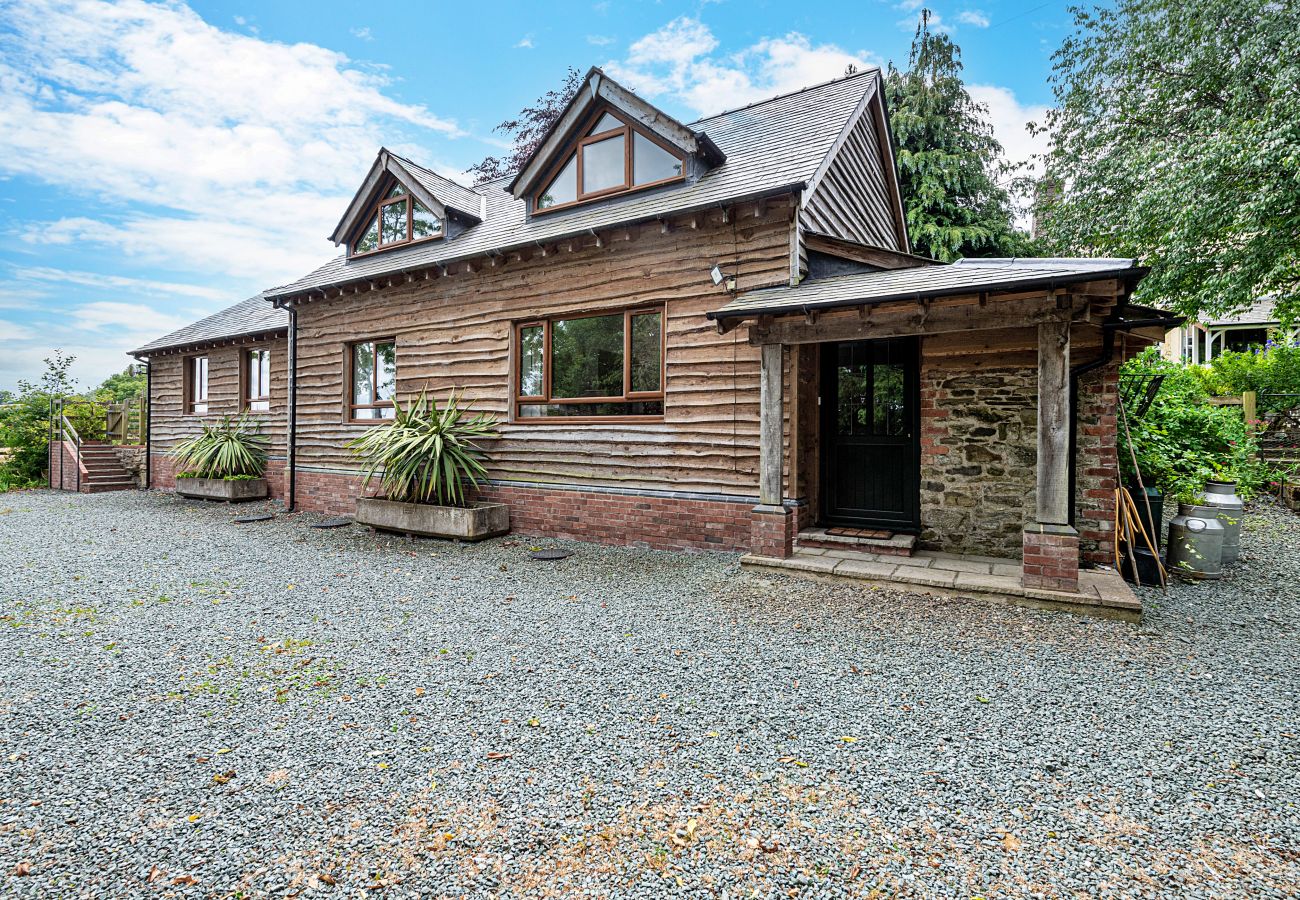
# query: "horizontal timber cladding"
[[169, 421], [454, 332]]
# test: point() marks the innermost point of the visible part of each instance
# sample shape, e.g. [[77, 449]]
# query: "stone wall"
[[979, 456], [132, 459], [978, 450]]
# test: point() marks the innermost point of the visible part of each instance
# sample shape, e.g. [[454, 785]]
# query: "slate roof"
[[252, 316], [457, 196], [771, 147], [964, 276]]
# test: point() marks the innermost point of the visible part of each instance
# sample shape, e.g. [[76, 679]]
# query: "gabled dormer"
[[401, 203], [609, 142]]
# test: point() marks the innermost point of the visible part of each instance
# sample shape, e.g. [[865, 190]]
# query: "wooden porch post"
[[772, 527], [1054, 422], [1051, 545], [769, 438]]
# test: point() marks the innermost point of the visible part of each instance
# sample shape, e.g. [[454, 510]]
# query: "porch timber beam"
[[1053, 481], [769, 425], [893, 321]]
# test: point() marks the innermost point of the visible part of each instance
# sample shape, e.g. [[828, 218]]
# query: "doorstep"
[[888, 543], [957, 575]]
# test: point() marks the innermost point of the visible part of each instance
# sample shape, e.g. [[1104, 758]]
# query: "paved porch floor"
[[957, 575]]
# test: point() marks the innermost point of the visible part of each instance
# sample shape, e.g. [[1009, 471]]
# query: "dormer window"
[[612, 157], [398, 218]]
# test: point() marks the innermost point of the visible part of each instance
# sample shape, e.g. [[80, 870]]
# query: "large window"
[[610, 158], [373, 367], [196, 385], [592, 366], [257, 380], [398, 218]]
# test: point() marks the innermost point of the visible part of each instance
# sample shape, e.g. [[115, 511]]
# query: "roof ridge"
[[803, 90]]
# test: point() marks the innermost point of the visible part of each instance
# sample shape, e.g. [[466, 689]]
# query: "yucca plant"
[[229, 448], [426, 454]]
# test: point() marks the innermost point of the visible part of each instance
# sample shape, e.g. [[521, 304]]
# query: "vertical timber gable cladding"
[[456, 332]]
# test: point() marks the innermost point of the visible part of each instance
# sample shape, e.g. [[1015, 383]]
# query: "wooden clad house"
[[709, 335]]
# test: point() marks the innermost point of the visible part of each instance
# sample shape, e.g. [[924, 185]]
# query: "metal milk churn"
[[1222, 495], [1196, 542]]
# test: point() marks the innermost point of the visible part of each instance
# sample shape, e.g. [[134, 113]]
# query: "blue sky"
[[159, 161]]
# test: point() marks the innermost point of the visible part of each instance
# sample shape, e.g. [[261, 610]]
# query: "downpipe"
[[292, 430]]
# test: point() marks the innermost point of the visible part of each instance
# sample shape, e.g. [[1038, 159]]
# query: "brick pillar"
[[772, 531], [1051, 557]]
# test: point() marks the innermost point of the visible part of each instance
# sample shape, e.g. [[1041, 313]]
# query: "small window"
[[257, 378], [594, 366], [398, 218], [612, 157], [196, 385], [373, 383]]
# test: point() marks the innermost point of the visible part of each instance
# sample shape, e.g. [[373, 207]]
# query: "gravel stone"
[[195, 708]]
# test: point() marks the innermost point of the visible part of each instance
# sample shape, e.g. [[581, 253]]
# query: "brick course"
[[1050, 558]]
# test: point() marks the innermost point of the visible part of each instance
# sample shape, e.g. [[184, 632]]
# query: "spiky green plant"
[[426, 454], [228, 448]]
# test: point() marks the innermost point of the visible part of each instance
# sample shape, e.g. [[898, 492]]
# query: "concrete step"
[[894, 545], [104, 487]]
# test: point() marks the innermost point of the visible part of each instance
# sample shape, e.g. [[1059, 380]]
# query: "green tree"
[[116, 388], [949, 163], [1176, 139], [24, 423]]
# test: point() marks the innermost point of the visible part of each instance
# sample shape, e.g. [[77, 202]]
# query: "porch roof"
[[965, 276]]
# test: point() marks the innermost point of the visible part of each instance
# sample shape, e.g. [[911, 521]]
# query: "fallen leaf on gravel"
[[154, 874], [224, 777], [495, 755], [419, 692], [848, 739], [224, 750], [1010, 843], [534, 723], [195, 817], [23, 868], [185, 879], [326, 878], [982, 699]]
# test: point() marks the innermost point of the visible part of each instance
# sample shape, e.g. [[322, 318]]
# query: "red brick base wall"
[[65, 469], [1097, 474], [1051, 557]]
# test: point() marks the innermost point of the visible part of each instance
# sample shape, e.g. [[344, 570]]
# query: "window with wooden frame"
[[612, 157], [196, 385], [257, 380], [398, 218], [593, 366], [372, 381]]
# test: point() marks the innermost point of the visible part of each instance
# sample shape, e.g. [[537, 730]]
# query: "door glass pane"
[[888, 410], [392, 225], [587, 357], [602, 165], [370, 240], [424, 222], [646, 346], [606, 123], [854, 386], [531, 345], [386, 374], [363, 373], [564, 189], [650, 162]]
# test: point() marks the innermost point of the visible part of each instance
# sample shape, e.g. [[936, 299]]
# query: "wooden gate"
[[1279, 441]]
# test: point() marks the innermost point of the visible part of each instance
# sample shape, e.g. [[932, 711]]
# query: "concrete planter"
[[472, 523], [231, 491]]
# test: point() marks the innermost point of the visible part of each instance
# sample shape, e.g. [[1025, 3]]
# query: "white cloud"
[[681, 60], [599, 40], [1009, 118], [12, 331], [974, 18], [130, 317], [363, 33], [525, 43], [92, 279], [139, 103]]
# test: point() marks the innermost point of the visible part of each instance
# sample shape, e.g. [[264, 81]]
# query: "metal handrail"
[[65, 427]]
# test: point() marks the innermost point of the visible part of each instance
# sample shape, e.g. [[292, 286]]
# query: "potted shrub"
[[225, 461], [425, 459]]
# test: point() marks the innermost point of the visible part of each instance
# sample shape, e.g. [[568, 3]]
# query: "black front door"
[[870, 434]]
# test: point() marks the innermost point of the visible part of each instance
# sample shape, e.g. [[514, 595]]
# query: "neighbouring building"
[[1195, 342], [697, 336]]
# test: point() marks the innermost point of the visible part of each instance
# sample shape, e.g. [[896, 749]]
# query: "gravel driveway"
[[195, 708]]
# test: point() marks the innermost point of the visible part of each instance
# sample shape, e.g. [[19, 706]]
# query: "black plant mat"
[[551, 554], [255, 517], [337, 522]]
